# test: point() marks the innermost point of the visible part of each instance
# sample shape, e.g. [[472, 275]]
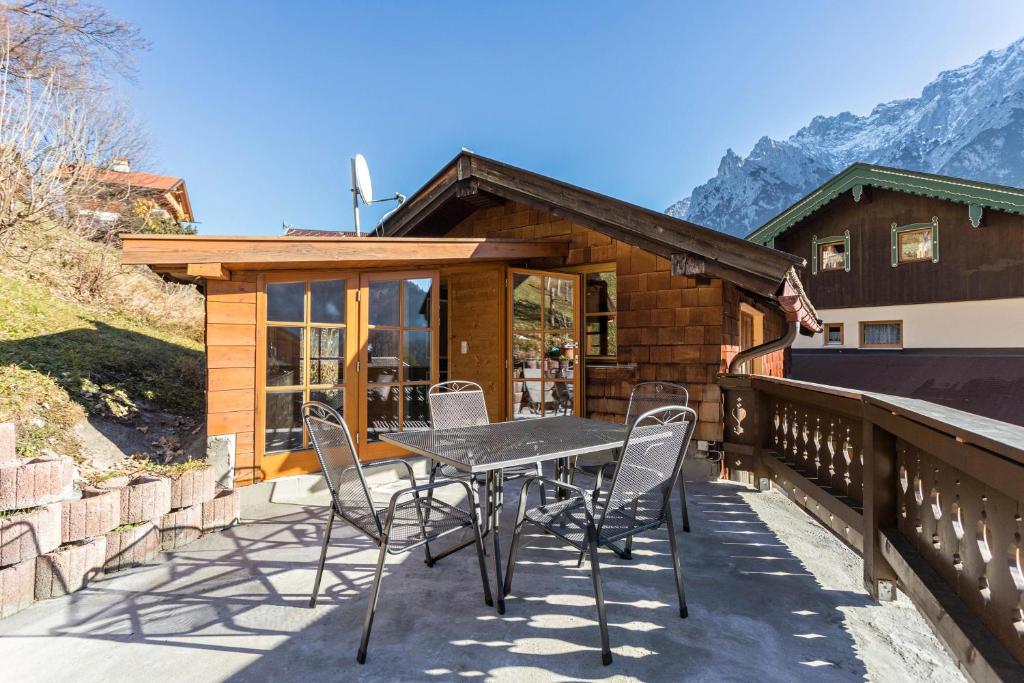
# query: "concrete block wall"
[[54, 539]]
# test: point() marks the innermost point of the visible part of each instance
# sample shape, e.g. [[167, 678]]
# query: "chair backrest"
[[332, 443], [647, 396], [649, 464], [457, 404]]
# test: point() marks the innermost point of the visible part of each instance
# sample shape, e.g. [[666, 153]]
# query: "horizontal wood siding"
[[670, 328], [231, 366], [974, 263]]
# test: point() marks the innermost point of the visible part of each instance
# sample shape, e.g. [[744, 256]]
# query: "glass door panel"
[[400, 354], [307, 345], [544, 345]]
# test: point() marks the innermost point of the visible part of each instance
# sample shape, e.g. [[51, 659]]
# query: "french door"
[[399, 315], [306, 351], [544, 346]]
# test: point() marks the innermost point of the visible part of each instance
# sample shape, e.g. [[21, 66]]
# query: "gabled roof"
[[976, 195], [172, 191], [150, 181], [470, 181]]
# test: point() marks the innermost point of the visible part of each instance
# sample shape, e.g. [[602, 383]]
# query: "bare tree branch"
[[80, 44]]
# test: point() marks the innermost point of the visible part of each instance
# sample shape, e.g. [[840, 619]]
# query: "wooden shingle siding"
[[231, 366], [670, 328]]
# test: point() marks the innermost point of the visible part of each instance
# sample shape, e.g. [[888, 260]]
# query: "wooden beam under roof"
[[211, 271], [190, 253]]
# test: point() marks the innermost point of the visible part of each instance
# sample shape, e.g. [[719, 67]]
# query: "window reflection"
[[283, 421], [286, 302], [417, 302], [284, 356], [327, 301]]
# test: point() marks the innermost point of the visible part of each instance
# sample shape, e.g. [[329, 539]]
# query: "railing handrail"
[[999, 437], [932, 497]]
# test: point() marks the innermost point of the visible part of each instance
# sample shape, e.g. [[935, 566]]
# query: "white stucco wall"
[[997, 323]]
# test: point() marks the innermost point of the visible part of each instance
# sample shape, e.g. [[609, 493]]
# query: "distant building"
[[124, 195], [919, 282], [292, 231]]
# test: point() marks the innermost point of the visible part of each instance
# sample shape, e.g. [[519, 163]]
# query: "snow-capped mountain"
[[968, 122]]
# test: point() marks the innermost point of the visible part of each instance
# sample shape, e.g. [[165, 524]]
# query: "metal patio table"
[[489, 449]]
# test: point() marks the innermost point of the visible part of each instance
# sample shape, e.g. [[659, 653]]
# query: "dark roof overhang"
[[974, 194], [470, 181]]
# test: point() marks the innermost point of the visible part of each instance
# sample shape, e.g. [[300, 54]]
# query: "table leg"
[[562, 475], [494, 488]]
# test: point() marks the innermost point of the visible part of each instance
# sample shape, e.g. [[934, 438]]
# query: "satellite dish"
[[361, 178]]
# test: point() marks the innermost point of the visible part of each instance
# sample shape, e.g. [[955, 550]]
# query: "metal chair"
[[458, 403], [409, 520], [645, 396], [638, 501]]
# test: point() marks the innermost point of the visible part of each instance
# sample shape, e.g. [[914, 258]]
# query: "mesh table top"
[[506, 444]]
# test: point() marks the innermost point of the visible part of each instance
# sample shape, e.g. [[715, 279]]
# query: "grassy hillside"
[[81, 335]]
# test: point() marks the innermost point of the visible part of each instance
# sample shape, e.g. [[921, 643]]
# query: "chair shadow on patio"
[[234, 607], [755, 612]]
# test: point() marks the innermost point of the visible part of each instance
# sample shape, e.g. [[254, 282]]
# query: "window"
[[884, 334], [830, 253], [914, 245], [401, 322], [751, 335], [305, 343], [833, 334], [544, 343], [599, 315], [915, 242]]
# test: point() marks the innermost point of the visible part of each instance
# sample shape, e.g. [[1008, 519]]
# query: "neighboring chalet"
[[554, 298], [919, 282], [123, 194]]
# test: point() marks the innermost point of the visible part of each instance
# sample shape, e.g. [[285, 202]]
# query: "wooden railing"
[[931, 497]]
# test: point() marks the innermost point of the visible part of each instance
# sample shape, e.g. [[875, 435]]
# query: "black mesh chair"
[[459, 403], [409, 520], [638, 501], [645, 396]]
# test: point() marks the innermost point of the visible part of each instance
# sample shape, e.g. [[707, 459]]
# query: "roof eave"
[[959, 190]]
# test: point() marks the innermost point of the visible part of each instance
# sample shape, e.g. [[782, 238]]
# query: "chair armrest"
[[392, 461], [554, 482], [416, 490]]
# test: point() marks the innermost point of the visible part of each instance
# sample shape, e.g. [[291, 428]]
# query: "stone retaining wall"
[[54, 539]]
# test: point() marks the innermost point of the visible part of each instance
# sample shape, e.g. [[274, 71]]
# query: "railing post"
[[762, 439], [744, 428], [880, 508]]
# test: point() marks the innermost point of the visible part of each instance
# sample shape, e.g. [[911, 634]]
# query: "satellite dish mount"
[[362, 189]]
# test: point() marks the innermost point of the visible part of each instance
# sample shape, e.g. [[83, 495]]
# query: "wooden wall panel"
[[974, 263], [231, 366], [476, 314]]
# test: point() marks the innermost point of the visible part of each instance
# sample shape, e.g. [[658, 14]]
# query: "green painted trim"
[[974, 214], [894, 239], [815, 241], [982, 195]]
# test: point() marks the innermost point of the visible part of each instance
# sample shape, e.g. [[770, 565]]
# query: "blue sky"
[[259, 106]]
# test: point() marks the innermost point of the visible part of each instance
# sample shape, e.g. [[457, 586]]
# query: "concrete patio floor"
[[772, 597]]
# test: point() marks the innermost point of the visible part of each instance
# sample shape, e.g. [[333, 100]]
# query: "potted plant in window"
[[552, 364]]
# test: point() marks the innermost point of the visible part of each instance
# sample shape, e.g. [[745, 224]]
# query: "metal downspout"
[[783, 342]]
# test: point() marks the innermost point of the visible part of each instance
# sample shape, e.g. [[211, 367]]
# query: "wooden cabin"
[[554, 298], [919, 282]]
